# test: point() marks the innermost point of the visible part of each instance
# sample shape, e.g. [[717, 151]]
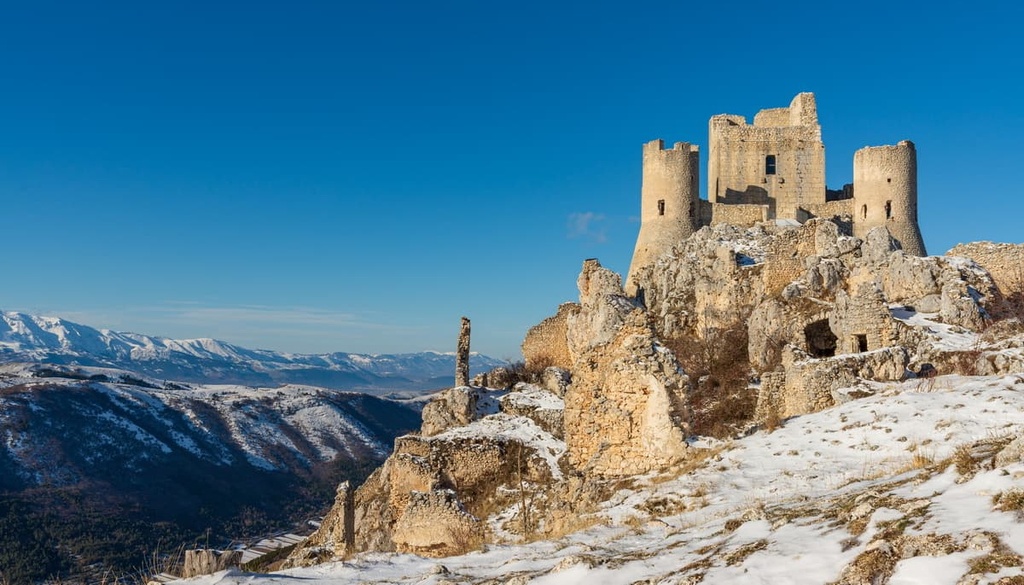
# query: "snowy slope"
[[57, 426], [901, 482], [30, 338]]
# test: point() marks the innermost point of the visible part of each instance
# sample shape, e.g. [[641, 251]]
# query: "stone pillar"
[[462, 355]]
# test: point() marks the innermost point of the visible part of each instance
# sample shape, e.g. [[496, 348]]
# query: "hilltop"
[[772, 397]]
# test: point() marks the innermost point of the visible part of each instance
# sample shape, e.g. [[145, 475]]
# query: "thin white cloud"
[[587, 225]]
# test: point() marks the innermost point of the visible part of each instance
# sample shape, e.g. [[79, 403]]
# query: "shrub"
[[720, 396]]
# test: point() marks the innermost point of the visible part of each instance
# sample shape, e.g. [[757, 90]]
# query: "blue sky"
[[341, 176]]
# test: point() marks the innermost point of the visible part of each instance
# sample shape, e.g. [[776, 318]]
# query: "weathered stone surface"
[[556, 380], [626, 410], [453, 407], [546, 343], [208, 561], [435, 524], [808, 385], [462, 355], [337, 539], [537, 404], [455, 476], [1005, 264], [1012, 453]]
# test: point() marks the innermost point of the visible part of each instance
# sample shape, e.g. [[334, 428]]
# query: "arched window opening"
[[661, 207], [863, 211], [769, 164]]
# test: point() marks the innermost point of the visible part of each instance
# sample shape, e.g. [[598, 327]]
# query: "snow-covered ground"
[[900, 482]]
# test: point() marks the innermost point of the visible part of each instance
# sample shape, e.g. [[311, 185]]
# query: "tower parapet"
[[885, 193], [668, 201]]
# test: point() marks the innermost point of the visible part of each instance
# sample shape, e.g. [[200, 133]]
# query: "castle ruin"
[[772, 170]]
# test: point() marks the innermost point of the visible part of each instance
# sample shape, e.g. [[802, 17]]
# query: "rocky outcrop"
[[626, 410], [823, 314], [480, 450], [454, 407]]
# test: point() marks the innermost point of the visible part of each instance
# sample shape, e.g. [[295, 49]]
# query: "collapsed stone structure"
[[773, 169]]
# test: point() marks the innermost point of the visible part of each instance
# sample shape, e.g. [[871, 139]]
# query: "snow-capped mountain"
[[31, 338], [99, 464]]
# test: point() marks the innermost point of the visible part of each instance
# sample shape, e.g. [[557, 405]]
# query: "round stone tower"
[[668, 202], [885, 193]]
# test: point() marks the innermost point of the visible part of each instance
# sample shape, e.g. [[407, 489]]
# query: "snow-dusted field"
[[902, 480]]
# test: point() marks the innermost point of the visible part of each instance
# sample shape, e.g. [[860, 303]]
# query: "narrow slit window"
[[661, 207], [769, 164], [863, 211], [888, 210]]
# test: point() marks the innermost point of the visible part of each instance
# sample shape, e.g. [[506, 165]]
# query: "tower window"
[[888, 210], [862, 342], [769, 164], [661, 207], [863, 211]]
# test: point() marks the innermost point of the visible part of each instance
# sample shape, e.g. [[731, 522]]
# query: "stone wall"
[[545, 343], [809, 385], [740, 214], [737, 158], [1005, 263], [862, 322], [435, 524]]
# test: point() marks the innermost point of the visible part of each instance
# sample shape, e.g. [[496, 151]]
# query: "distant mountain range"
[[52, 340], [100, 467]]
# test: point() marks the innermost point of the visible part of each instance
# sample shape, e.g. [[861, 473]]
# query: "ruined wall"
[[809, 385], [739, 214], [668, 200], [737, 170], [1005, 263], [545, 343], [885, 194]]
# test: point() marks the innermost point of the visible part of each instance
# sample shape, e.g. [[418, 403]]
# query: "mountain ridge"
[[53, 340]]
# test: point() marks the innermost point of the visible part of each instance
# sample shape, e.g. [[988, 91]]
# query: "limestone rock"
[[1005, 265], [208, 561], [626, 410], [556, 380], [436, 524], [1012, 453], [537, 404], [453, 407]]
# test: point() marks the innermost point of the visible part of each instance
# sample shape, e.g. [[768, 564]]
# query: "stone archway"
[[820, 340]]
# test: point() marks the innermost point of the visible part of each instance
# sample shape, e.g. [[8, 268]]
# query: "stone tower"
[[669, 192], [779, 161], [885, 193]]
